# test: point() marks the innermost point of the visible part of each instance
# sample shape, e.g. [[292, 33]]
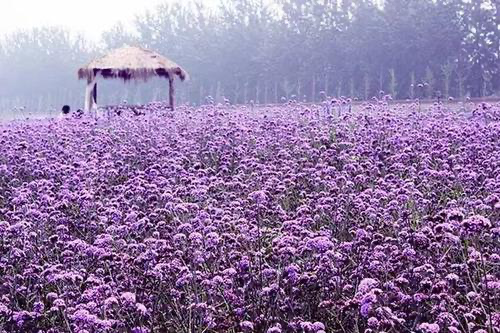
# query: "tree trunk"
[[299, 91], [313, 97], [446, 86], [218, 93], [245, 93], [236, 93], [380, 81], [201, 94], [257, 93], [266, 92], [276, 92], [461, 85], [412, 85], [212, 92], [326, 84], [367, 86]]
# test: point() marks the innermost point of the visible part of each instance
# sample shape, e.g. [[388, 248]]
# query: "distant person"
[[79, 113], [66, 110]]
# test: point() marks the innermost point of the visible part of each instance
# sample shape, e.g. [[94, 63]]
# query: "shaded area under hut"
[[129, 63]]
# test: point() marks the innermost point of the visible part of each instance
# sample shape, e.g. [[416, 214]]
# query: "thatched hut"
[[129, 63]]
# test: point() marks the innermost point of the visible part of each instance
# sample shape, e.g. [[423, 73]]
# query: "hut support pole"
[[90, 94], [171, 92]]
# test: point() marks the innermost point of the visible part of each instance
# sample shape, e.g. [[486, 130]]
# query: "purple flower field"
[[233, 219]]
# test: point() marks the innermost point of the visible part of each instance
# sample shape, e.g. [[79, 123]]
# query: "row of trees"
[[264, 50]]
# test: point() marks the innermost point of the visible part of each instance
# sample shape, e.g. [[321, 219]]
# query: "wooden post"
[[171, 92], [90, 94]]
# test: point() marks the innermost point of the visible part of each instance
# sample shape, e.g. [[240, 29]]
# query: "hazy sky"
[[90, 17]]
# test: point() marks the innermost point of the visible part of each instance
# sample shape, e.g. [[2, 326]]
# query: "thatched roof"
[[130, 63]]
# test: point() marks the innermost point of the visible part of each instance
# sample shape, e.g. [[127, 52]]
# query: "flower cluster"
[[268, 219]]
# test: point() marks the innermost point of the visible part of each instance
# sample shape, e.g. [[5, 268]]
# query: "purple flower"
[[318, 326], [306, 326], [275, 329], [320, 244], [244, 264], [246, 326], [267, 212], [258, 197], [429, 328], [83, 316], [110, 301], [38, 307], [373, 322], [476, 224], [366, 285], [366, 309], [128, 297], [141, 309], [60, 303]]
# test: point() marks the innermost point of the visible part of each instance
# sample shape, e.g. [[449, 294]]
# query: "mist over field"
[[266, 51]]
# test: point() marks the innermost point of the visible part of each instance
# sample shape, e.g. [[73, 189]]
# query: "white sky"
[[90, 17]]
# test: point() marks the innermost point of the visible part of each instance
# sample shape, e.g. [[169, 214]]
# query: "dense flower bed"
[[230, 219]]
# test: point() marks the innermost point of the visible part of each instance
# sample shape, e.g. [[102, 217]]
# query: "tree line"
[[266, 51]]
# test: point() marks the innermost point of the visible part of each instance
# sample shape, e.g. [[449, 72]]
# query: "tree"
[[247, 50], [480, 26], [118, 36], [44, 62]]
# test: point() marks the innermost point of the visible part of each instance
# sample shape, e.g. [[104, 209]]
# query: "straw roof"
[[130, 63]]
